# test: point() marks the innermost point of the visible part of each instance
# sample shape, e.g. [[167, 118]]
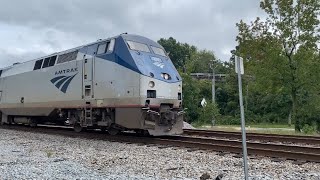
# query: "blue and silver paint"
[[145, 63], [63, 82]]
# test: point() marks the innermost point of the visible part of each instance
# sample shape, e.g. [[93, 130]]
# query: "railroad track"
[[291, 152], [280, 151], [315, 140]]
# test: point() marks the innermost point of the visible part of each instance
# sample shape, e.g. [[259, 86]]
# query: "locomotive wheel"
[[1, 122], [142, 132], [10, 120], [103, 129], [77, 128], [112, 131], [33, 123]]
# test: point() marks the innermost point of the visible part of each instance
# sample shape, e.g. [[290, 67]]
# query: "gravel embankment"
[[25, 155], [187, 125]]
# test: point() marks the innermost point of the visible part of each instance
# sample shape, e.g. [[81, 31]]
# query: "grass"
[[268, 125], [281, 132], [49, 153], [262, 125], [264, 128]]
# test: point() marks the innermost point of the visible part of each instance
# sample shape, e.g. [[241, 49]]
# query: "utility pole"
[[184, 63], [213, 86], [246, 98], [213, 89], [213, 83]]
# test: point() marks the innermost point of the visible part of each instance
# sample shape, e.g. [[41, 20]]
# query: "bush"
[[308, 124], [228, 120], [208, 113], [309, 129]]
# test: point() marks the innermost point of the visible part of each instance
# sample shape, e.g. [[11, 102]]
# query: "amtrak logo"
[[64, 71], [62, 82], [157, 62]]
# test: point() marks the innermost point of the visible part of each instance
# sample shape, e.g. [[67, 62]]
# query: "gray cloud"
[[8, 58], [60, 24]]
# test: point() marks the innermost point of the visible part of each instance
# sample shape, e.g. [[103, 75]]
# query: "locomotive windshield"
[[138, 46], [144, 47], [158, 51]]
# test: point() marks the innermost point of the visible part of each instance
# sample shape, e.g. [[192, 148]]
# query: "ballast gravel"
[[187, 125], [26, 155]]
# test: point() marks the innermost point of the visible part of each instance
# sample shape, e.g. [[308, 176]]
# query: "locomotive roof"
[[130, 37]]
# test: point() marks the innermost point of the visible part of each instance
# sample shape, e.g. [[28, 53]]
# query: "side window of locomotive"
[[52, 61], [49, 61], [111, 45], [46, 62], [38, 64], [106, 47], [102, 48]]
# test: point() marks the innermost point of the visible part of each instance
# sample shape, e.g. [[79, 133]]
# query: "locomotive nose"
[[161, 68]]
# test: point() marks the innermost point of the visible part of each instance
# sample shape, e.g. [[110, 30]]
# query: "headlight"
[[151, 84], [166, 76]]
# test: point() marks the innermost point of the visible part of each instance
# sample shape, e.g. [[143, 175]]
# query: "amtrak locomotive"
[[122, 83]]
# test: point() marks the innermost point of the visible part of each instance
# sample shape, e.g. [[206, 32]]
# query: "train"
[[126, 82]]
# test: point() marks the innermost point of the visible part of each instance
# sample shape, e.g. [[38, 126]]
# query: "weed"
[[49, 153]]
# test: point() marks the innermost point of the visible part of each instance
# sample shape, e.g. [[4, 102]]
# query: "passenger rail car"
[[125, 82]]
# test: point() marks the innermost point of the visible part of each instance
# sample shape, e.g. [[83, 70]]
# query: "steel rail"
[[275, 153], [269, 150], [255, 136], [256, 145]]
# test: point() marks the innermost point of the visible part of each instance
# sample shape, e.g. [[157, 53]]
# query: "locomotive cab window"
[[38, 64], [102, 48], [111, 45], [138, 46], [106, 47], [158, 51]]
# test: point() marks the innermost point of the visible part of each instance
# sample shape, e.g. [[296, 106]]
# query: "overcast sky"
[[32, 28]]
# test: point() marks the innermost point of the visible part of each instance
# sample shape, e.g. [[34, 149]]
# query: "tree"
[[191, 98], [281, 51], [179, 53], [188, 59], [200, 61]]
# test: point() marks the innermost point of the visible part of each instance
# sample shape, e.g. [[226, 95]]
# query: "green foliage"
[[228, 120], [191, 97], [188, 59], [49, 153], [267, 84], [282, 53], [201, 61], [179, 53], [208, 113], [309, 129]]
